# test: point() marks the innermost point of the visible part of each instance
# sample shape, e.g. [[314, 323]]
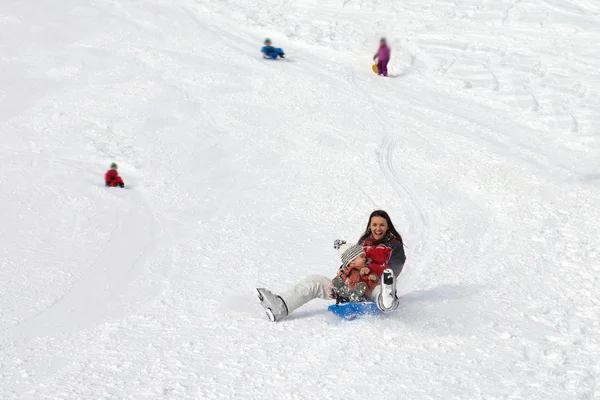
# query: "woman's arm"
[[395, 260]]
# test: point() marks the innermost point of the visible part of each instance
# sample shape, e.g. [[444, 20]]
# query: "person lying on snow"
[[383, 57], [354, 281], [112, 178], [384, 248], [270, 51]]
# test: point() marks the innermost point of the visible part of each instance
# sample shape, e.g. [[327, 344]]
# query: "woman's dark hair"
[[391, 229]]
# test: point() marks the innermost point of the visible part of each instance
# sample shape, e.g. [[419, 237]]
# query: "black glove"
[[337, 243]]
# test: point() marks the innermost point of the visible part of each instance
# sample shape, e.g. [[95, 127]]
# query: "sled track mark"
[[418, 224], [90, 299], [418, 218]]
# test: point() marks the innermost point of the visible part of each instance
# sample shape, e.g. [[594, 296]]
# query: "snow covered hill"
[[483, 146]]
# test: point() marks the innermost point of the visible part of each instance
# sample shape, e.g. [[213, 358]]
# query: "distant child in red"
[[112, 177]]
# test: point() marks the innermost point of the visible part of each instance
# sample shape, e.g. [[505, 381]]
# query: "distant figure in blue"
[[270, 51]]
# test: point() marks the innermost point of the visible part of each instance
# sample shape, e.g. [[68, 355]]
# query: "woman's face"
[[379, 227]]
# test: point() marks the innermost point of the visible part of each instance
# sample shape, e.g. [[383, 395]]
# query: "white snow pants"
[[313, 287]]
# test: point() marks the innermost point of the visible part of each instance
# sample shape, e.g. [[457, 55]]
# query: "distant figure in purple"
[[383, 57]]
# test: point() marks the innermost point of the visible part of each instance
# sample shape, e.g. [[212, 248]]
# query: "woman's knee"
[[316, 285]]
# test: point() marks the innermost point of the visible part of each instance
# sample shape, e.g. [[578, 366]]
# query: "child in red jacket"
[[354, 281], [112, 178]]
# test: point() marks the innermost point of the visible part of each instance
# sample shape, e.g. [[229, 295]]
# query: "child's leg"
[[313, 287], [384, 70], [379, 67], [375, 293]]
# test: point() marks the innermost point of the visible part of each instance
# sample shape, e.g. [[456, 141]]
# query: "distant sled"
[[127, 187], [275, 59], [350, 311]]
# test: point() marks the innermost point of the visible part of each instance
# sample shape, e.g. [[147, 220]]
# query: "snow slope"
[[482, 145]]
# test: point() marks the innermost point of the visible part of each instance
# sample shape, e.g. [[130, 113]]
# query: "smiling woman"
[[383, 244], [384, 250]]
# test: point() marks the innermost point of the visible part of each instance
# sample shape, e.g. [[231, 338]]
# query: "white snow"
[[483, 145]]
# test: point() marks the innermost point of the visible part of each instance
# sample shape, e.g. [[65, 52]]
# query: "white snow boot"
[[275, 307], [386, 299]]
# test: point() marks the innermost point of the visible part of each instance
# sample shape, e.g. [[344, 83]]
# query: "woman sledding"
[[384, 258]]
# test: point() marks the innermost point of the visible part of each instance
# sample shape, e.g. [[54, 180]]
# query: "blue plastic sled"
[[350, 311], [271, 57]]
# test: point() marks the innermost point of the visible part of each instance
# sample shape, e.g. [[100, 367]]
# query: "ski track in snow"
[[77, 307], [482, 144], [417, 224], [101, 287]]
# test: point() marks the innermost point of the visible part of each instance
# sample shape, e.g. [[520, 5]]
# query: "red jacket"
[[387, 254], [112, 178]]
